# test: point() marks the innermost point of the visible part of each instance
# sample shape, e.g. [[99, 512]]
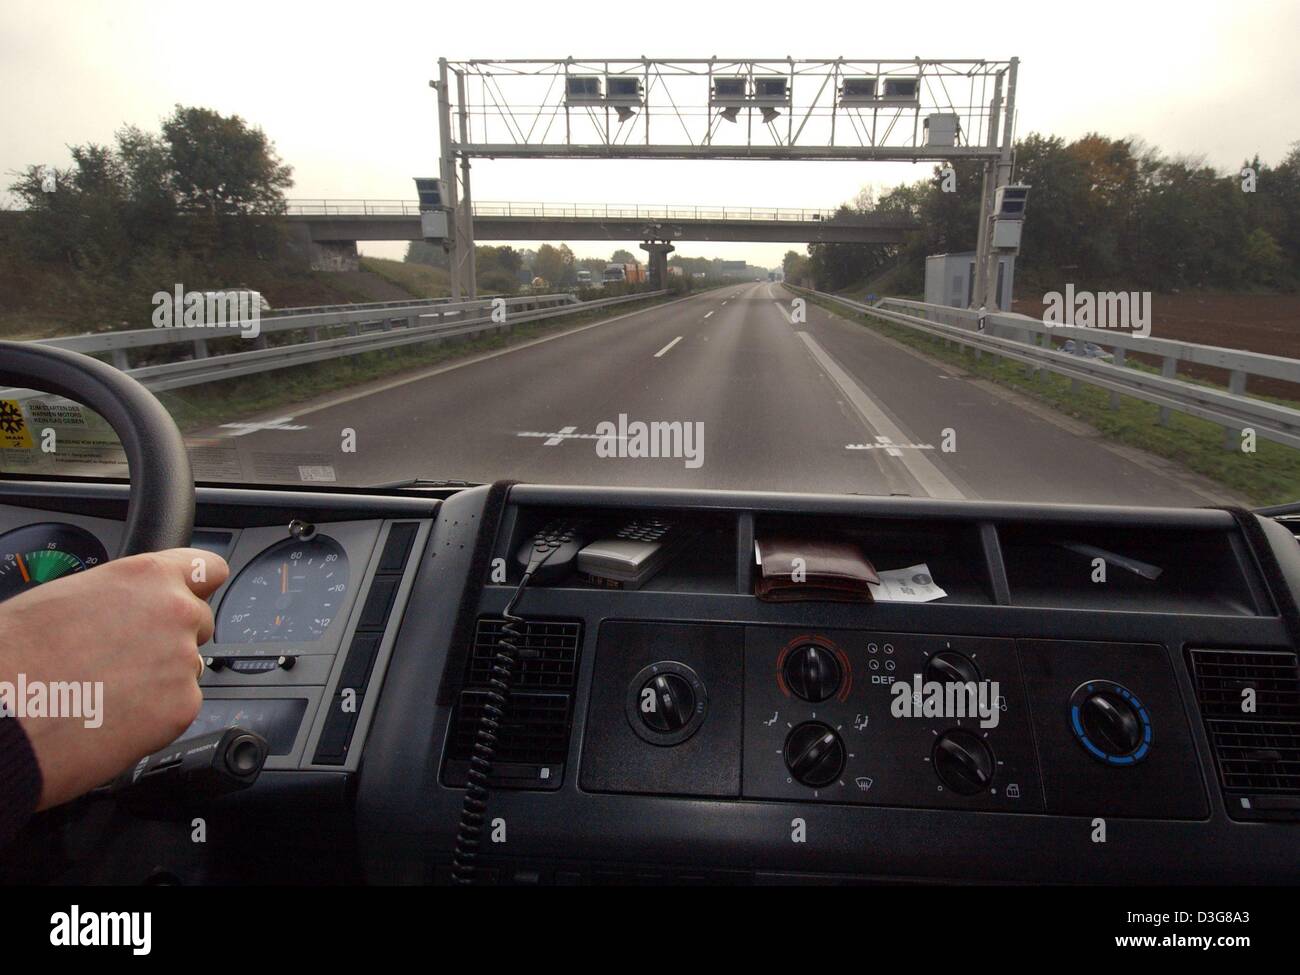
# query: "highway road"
[[825, 406]]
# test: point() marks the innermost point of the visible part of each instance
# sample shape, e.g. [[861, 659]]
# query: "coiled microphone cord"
[[469, 834]]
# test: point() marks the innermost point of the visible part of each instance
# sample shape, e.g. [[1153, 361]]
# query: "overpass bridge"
[[333, 227]]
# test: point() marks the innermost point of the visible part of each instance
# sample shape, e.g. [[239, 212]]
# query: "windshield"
[[1023, 274]]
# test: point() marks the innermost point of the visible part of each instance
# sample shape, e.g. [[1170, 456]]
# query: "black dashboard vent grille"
[[533, 740], [535, 730], [1257, 751], [548, 657]]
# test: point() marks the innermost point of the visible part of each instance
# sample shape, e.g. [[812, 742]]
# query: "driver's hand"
[[134, 624]]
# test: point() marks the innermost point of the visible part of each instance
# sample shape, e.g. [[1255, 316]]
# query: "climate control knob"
[[812, 672], [814, 754], [951, 667], [1110, 722], [963, 762], [667, 703]]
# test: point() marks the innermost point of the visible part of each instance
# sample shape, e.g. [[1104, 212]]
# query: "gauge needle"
[[284, 577], [22, 567]]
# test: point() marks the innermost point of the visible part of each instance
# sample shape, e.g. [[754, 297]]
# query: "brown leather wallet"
[[794, 569]]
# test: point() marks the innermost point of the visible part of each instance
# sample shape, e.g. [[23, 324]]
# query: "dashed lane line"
[[926, 474]]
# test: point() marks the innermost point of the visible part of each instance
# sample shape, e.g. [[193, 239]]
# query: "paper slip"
[[910, 585]]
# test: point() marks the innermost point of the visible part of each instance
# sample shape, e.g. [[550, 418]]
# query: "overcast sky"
[[342, 88]]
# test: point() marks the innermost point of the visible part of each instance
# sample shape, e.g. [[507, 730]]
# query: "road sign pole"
[[1003, 178], [984, 230], [467, 263], [447, 172]]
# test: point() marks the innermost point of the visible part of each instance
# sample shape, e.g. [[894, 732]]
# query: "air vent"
[[1257, 751], [533, 741], [548, 654], [535, 731]]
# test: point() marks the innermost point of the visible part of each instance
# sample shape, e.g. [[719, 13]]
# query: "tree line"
[[93, 241], [1102, 213]]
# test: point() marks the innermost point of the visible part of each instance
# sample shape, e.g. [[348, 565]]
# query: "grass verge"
[[1269, 475]]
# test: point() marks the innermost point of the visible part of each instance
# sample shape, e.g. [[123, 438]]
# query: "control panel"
[[890, 719], [887, 719]]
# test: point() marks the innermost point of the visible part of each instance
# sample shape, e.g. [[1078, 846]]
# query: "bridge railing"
[[1030, 341], [571, 211]]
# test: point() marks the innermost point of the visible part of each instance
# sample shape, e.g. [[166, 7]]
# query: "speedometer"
[[44, 552], [290, 593]]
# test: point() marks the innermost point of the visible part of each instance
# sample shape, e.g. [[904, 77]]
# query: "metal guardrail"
[[450, 321], [118, 345], [1029, 340], [591, 211]]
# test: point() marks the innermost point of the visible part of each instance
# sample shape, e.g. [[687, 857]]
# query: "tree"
[[621, 256], [554, 264], [221, 166]]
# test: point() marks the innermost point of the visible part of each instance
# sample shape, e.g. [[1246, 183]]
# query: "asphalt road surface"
[[823, 406]]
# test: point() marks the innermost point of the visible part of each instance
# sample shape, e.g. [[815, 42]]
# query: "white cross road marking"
[[554, 438], [668, 346], [888, 446], [279, 423], [559, 437], [931, 480]]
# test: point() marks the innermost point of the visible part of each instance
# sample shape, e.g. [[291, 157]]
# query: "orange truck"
[[631, 273]]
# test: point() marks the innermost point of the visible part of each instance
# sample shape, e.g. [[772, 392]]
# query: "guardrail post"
[[1237, 387], [200, 348], [1119, 361], [1168, 369], [120, 359]]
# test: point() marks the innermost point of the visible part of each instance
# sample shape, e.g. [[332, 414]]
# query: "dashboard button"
[[1110, 722], [667, 703], [814, 754], [951, 667], [812, 672], [963, 762], [398, 546]]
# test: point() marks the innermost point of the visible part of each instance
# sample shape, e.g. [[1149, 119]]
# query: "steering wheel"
[[160, 506]]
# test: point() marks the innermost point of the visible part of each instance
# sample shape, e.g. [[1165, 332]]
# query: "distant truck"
[[631, 273], [584, 277]]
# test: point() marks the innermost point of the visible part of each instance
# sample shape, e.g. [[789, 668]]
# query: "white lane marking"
[[724, 302], [279, 423], [781, 308], [385, 387], [927, 475], [555, 439], [668, 346], [710, 313]]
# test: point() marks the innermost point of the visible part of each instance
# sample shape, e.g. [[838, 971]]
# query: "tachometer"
[[44, 552], [290, 592]]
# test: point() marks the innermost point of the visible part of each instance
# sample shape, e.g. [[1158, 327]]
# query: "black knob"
[[667, 702], [951, 667], [1111, 721], [963, 761], [814, 754], [812, 672]]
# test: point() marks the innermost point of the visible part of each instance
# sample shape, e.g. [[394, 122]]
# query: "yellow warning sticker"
[[13, 428]]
